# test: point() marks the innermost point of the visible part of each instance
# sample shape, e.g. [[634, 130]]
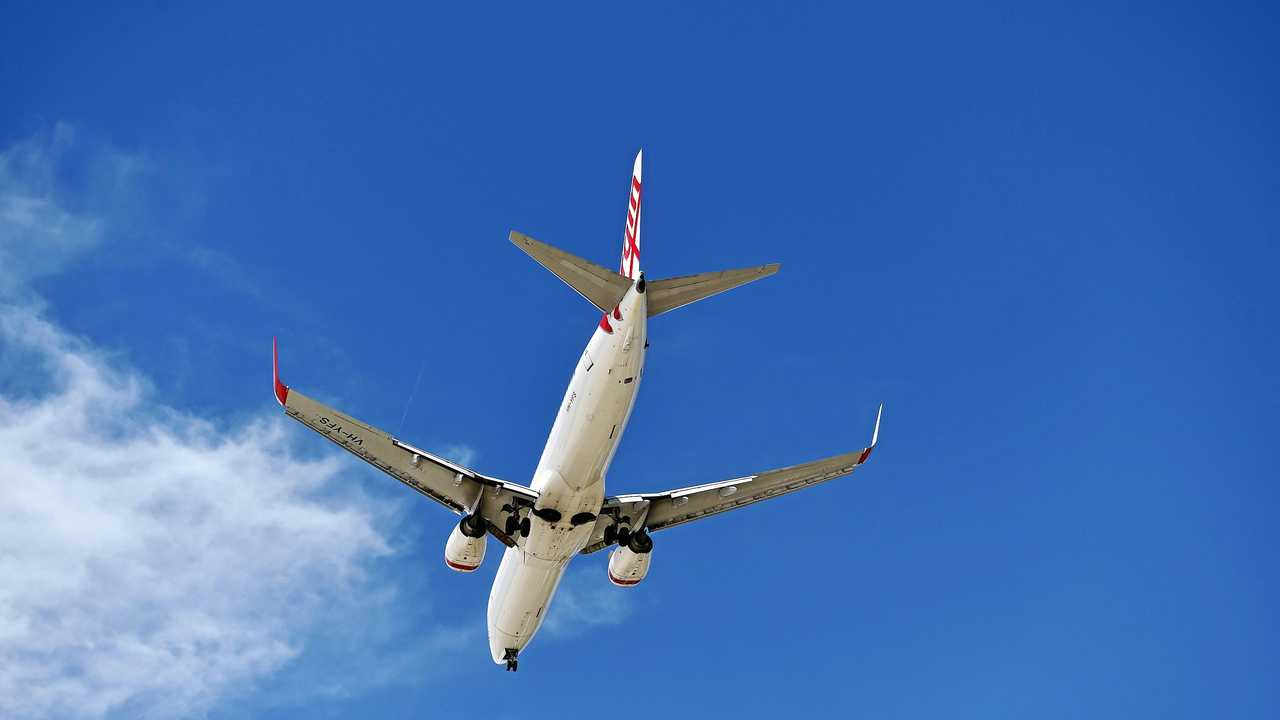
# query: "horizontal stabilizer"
[[601, 286], [677, 292]]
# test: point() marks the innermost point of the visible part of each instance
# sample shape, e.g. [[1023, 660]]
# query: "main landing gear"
[[619, 532], [512, 663], [515, 523]]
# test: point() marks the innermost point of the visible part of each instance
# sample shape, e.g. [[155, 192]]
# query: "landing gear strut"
[[512, 663]]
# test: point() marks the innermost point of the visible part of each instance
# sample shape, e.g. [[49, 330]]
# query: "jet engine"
[[465, 550], [630, 563]]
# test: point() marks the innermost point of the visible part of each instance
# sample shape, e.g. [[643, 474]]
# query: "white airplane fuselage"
[[570, 474]]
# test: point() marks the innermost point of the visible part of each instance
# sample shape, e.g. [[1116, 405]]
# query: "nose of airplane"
[[500, 642]]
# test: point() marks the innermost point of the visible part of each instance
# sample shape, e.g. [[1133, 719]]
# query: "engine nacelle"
[[629, 564], [465, 550]]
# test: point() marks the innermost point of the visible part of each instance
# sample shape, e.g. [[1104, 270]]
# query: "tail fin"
[[630, 265], [677, 292], [605, 289]]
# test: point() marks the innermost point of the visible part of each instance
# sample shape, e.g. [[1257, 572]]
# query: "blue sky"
[[1044, 237]]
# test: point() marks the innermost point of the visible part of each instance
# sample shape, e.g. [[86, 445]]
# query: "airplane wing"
[[458, 488], [658, 511]]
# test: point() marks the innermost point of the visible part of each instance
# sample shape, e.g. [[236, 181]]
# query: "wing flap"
[[681, 506], [658, 511], [451, 484]]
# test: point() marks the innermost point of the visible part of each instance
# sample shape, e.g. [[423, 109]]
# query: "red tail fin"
[[630, 265]]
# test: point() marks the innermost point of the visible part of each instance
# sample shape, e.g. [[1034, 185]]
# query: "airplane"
[[564, 511]]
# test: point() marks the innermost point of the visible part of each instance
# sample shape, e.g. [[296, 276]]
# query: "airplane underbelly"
[[616, 398], [562, 539], [592, 419], [518, 603], [570, 480]]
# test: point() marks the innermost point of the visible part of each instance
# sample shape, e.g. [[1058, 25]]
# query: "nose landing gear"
[[512, 663]]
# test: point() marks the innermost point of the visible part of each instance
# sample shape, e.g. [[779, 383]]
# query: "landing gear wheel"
[[511, 525], [624, 535], [610, 534], [524, 528], [513, 665]]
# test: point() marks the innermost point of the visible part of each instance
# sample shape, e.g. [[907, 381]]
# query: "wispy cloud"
[[38, 234], [153, 563], [59, 192], [460, 453], [587, 599], [220, 267]]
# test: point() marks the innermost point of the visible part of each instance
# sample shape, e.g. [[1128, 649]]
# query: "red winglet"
[[282, 390], [875, 437]]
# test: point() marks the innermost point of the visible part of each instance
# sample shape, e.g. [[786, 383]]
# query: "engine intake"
[[465, 550]]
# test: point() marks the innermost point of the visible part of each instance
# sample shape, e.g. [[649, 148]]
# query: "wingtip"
[[522, 241], [875, 437], [875, 434], [282, 390]]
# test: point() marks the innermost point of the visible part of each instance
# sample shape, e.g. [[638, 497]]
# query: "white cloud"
[[152, 563], [151, 560]]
